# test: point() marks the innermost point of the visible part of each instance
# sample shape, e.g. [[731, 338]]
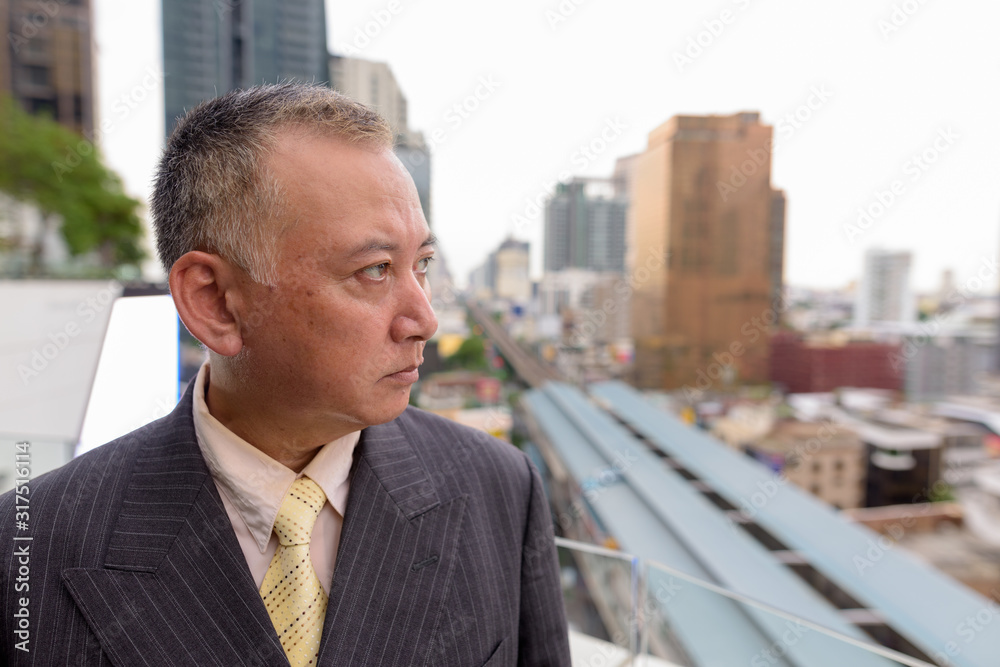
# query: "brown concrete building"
[[48, 59], [825, 459], [703, 201]]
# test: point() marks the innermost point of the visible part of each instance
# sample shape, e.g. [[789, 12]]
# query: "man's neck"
[[289, 443]]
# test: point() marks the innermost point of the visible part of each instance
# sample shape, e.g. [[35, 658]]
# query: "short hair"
[[214, 191]]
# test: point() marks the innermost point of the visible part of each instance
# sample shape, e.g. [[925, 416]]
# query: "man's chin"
[[387, 409]]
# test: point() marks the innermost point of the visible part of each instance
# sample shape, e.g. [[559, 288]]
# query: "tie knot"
[[298, 512]]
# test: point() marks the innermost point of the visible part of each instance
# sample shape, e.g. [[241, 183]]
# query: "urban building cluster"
[[668, 274]]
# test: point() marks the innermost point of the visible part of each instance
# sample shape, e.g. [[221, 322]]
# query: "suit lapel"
[[175, 582], [396, 557]]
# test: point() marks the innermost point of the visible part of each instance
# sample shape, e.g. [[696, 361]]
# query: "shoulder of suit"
[[437, 435], [97, 463]]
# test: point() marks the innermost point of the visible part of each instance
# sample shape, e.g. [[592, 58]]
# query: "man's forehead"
[[378, 243]]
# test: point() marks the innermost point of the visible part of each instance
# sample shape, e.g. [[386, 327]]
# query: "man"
[[292, 509]]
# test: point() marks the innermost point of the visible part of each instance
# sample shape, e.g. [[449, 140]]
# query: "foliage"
[[60, 172], [941, 493], [470, 355]]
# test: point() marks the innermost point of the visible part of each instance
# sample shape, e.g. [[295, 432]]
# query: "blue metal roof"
[[927, 607], [654, 512]]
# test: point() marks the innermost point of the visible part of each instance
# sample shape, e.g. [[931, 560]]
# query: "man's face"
[[340, 336]]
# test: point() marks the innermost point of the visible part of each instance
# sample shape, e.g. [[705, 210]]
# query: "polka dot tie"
[[295, 600]]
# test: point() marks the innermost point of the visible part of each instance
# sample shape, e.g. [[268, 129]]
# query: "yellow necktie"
[[295, 600]]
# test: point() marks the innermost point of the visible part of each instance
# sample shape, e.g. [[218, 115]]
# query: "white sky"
[[890, 96]]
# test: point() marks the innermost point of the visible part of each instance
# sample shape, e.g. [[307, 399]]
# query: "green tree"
[[51, 167], [470, 355]]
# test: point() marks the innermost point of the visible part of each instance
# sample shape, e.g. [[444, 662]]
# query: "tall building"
[[708, 235], [374, 84], [585, 227], [49, 60], [884, 291], [512, 279], [210, 48]]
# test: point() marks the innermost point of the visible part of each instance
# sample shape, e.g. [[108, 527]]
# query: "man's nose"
[[415, 317]]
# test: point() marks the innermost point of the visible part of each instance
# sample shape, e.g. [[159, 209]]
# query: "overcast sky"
[[895, 100]]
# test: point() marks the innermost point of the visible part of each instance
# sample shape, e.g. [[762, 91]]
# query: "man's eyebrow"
[[375, 245]]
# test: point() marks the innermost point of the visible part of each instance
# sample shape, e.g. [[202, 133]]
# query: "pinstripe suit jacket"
[[446, 558]]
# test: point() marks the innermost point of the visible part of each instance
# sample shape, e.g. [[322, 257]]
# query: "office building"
[[884, 293], [827, 462], [801, 364], [49, 60], [708, 232], [374, 84], [210, 48], [585, 227], [512, 279]]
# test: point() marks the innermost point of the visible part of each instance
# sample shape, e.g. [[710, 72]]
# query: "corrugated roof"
[[929, 609], [653, 512]]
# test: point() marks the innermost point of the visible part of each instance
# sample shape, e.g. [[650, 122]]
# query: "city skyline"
[[891, 122]]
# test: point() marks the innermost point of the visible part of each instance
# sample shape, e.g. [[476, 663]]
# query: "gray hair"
[[213, 190]]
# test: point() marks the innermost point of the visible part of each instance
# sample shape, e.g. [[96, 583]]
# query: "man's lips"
[[409, 375]]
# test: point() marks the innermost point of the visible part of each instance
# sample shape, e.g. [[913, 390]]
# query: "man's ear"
[[206, 292]]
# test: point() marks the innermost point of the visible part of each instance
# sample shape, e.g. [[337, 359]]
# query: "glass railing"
[[626, 611]]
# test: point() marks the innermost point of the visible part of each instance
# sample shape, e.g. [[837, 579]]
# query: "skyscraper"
[[585, 227], [884, 291], [374, 84], [708, 237], [212, 47], [48, 60]]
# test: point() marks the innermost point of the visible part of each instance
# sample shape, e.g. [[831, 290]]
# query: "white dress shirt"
[[252, 486]]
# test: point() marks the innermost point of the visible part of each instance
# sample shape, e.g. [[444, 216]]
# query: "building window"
[[40, 76]]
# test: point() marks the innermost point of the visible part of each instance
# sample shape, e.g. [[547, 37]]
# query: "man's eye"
[[423, 264], [378, 271]]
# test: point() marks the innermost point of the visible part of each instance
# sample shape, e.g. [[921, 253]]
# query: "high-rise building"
[[512, 278], [374, 84], [884, 291], [48, 60], [210, 48], [708, 236], [585, 227]]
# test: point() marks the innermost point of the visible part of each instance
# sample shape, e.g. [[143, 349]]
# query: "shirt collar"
[[255, 483]]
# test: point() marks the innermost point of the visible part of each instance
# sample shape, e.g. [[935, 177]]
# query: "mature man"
[[292, 508]]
